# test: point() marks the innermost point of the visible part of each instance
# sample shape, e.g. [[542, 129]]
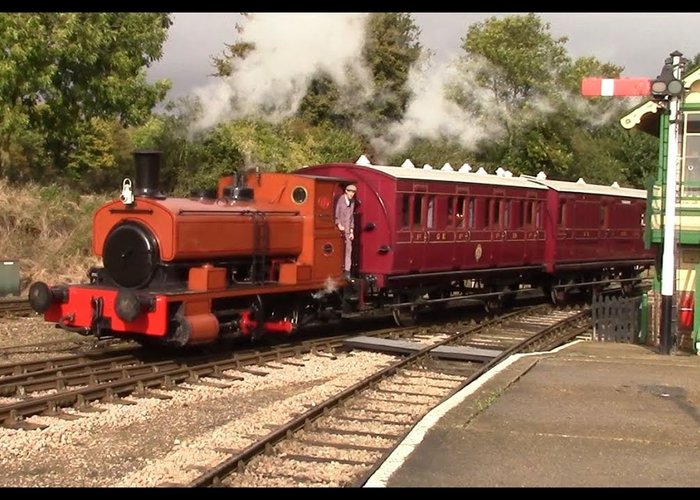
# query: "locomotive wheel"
[[294, 317]]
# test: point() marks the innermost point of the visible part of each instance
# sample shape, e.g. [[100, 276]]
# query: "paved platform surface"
[[589, 414]]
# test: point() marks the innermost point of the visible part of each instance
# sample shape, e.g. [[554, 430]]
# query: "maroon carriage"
[[594, 234], [429, 235]]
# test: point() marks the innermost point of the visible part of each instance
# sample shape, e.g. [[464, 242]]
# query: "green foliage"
[[320, 104], [522, 57], [435, 153], [170, 132], [274, 147], [60, 70], [392, 47], [531, 88], [573, 73], [224, 64]]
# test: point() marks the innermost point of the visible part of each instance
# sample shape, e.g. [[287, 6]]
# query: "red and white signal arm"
[[605, 87]]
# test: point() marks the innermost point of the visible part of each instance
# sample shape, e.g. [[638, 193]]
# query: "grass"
[[484, 402], [49, 231]]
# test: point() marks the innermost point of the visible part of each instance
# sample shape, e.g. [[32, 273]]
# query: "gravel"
[[157, 442]]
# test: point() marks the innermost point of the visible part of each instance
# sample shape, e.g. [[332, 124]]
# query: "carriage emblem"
[[477, 252]]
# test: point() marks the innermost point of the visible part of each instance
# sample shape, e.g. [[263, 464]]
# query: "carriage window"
[[431, 212], [506, 206], [460, 211], [450, 212], [480, 214], [418, 211], [516, 214], [405, 211], [527, 213], [562, 213], [494, 220], [471, 213], [538, 214], [603, 216]]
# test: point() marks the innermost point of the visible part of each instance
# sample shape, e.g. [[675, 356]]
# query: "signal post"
[[667, 90]]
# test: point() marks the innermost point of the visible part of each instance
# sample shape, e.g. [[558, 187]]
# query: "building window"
[[690, 176]]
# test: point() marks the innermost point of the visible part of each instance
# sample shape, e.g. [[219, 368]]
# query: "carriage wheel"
[[558, 295], [593, 292], [509, 295], [404, 316], [493, 304], [628, 286], [438, 295]]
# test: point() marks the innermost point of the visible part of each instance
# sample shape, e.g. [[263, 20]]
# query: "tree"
[[60, 70], [522, 58], [521, 77], [392, 47]]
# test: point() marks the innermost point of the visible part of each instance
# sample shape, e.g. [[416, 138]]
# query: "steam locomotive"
[[260, 253]]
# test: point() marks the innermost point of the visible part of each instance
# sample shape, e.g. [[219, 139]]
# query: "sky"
[[291, 48], [637, 41]]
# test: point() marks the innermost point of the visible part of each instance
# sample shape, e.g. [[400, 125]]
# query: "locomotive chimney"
[[147, 172]]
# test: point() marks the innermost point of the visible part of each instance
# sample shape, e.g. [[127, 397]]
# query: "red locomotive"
[[261, 252]]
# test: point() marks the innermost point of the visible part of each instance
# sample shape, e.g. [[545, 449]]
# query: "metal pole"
[[668, 264]]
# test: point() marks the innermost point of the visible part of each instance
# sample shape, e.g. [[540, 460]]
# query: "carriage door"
[[419, 233], [438, 252], [356, 266], [515, 251]]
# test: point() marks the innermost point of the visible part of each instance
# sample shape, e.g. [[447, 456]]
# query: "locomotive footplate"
[[351, 296]]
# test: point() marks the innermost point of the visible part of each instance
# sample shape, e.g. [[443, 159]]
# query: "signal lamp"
[[666, 84]]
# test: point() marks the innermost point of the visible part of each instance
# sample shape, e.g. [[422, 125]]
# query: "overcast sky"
[[637, 41]]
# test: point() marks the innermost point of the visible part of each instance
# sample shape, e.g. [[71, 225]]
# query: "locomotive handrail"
[[184, 211]]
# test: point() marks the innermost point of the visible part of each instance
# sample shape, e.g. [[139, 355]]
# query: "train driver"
[[345, 221]]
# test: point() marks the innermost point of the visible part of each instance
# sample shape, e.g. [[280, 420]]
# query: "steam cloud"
[[432, 115], [290, 50]]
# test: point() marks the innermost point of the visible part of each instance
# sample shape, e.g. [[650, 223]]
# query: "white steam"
[[431, 114], [290, 50]]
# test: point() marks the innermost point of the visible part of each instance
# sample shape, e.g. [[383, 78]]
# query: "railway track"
[[14, 308], [120, 370], [116, 371], [341, 441]]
